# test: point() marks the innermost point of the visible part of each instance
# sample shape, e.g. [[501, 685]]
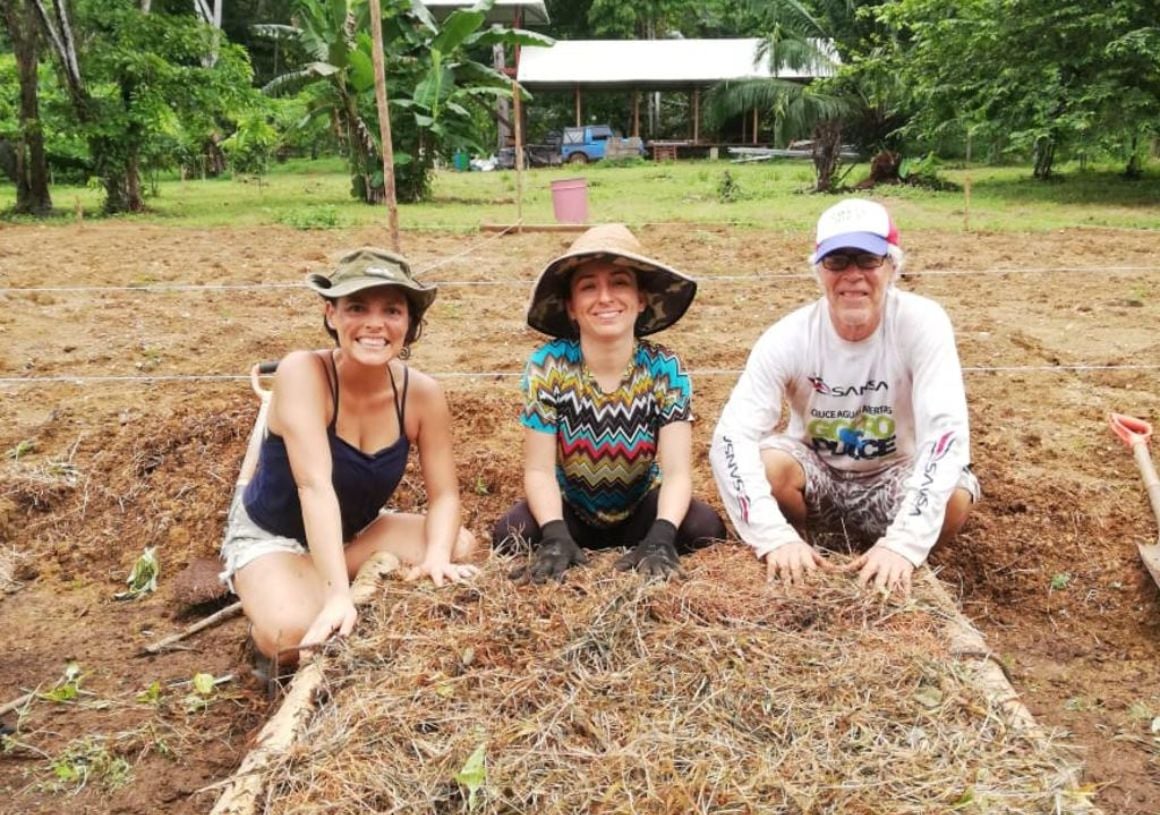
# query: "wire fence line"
[[702, 372], [756, 277]]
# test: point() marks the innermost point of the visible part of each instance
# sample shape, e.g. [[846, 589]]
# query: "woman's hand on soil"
[[337, 616], [556, 553], [440, 572], [655, 556]]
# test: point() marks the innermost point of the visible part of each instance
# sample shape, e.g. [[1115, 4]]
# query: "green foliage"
[[620, 162], [153, 85], [437, 93], [1003, 199], [142, 579], [67, 151], [318, 217], [21, 449], [615, 19], [67, 688], [151, 695], [1060, 581], [474, 775], [89, 760], [924, 172], [203, 691], [250, 147], [1030, 76], [816, 38], [728, 190]]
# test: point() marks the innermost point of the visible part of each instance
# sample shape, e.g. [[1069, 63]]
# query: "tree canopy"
[[117, 88]]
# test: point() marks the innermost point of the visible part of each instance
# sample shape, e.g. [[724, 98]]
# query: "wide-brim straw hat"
[[667, 292], [367, 268]]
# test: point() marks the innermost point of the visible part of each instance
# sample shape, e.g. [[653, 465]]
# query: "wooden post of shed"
[[696, 115], [636, 114], [579, 121], [755, 125]]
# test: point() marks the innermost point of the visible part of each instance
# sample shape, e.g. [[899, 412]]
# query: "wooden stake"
[[388, 150], [518, 129], [229, 612], [967, 189]]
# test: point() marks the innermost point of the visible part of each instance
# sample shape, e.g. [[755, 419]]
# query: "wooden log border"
[[245, 787]]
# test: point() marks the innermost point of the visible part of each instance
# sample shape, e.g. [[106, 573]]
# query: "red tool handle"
[[1130, 430]]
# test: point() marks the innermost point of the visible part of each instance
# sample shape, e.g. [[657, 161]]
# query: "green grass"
[[306, 195]]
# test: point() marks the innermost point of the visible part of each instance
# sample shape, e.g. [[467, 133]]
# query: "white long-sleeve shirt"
[[862, 406]]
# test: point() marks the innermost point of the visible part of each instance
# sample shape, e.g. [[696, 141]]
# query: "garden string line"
[[750, 278], [707, 372], [182, 287]]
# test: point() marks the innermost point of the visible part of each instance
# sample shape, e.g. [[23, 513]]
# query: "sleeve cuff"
[[787, 537], [914, 552]]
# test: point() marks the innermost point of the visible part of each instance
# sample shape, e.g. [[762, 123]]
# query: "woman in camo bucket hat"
[[602, 407], [367, 268], [340, 424]]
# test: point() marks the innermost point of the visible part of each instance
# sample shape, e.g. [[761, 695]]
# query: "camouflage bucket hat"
[[368, 267], [667, 292]]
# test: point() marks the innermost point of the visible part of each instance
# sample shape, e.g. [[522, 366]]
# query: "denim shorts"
[[862, 505], [245, 542]]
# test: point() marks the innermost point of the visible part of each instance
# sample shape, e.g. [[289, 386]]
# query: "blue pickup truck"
[[594, 142]]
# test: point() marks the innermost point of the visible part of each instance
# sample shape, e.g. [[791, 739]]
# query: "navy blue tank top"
[[363, 482]]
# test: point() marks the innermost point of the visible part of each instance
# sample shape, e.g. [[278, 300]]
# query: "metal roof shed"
[[649, 65], [646, 64]]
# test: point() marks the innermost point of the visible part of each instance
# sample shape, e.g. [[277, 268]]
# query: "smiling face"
[[856, 295], [604, 300], [371, 325]]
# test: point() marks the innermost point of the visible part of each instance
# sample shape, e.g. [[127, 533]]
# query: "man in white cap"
[[877, 445]]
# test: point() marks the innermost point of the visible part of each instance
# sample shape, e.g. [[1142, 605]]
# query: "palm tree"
[[798, 37]]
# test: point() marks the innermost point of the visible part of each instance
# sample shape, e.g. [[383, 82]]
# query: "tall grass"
[[303, 194]]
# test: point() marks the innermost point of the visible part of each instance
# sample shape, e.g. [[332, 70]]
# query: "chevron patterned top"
[[605, 442]]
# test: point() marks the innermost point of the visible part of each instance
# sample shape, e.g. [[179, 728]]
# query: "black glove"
[[656, 554], [555, 554]]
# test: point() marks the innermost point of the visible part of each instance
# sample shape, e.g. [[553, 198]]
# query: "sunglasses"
[[839, 263]]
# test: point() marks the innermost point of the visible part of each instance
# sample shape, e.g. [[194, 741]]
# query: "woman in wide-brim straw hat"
[[340, 424], [604, 411]]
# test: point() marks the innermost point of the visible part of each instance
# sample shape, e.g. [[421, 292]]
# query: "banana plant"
[[438, 93]]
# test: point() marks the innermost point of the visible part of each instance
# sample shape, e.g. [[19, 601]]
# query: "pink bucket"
[[570, 200]]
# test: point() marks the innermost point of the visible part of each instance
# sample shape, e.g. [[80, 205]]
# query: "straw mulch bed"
[[712, 694]]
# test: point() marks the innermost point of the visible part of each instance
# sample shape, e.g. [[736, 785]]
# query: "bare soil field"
[[131, 426]]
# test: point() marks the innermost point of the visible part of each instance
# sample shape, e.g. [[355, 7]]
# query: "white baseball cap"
[[855, 224]]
